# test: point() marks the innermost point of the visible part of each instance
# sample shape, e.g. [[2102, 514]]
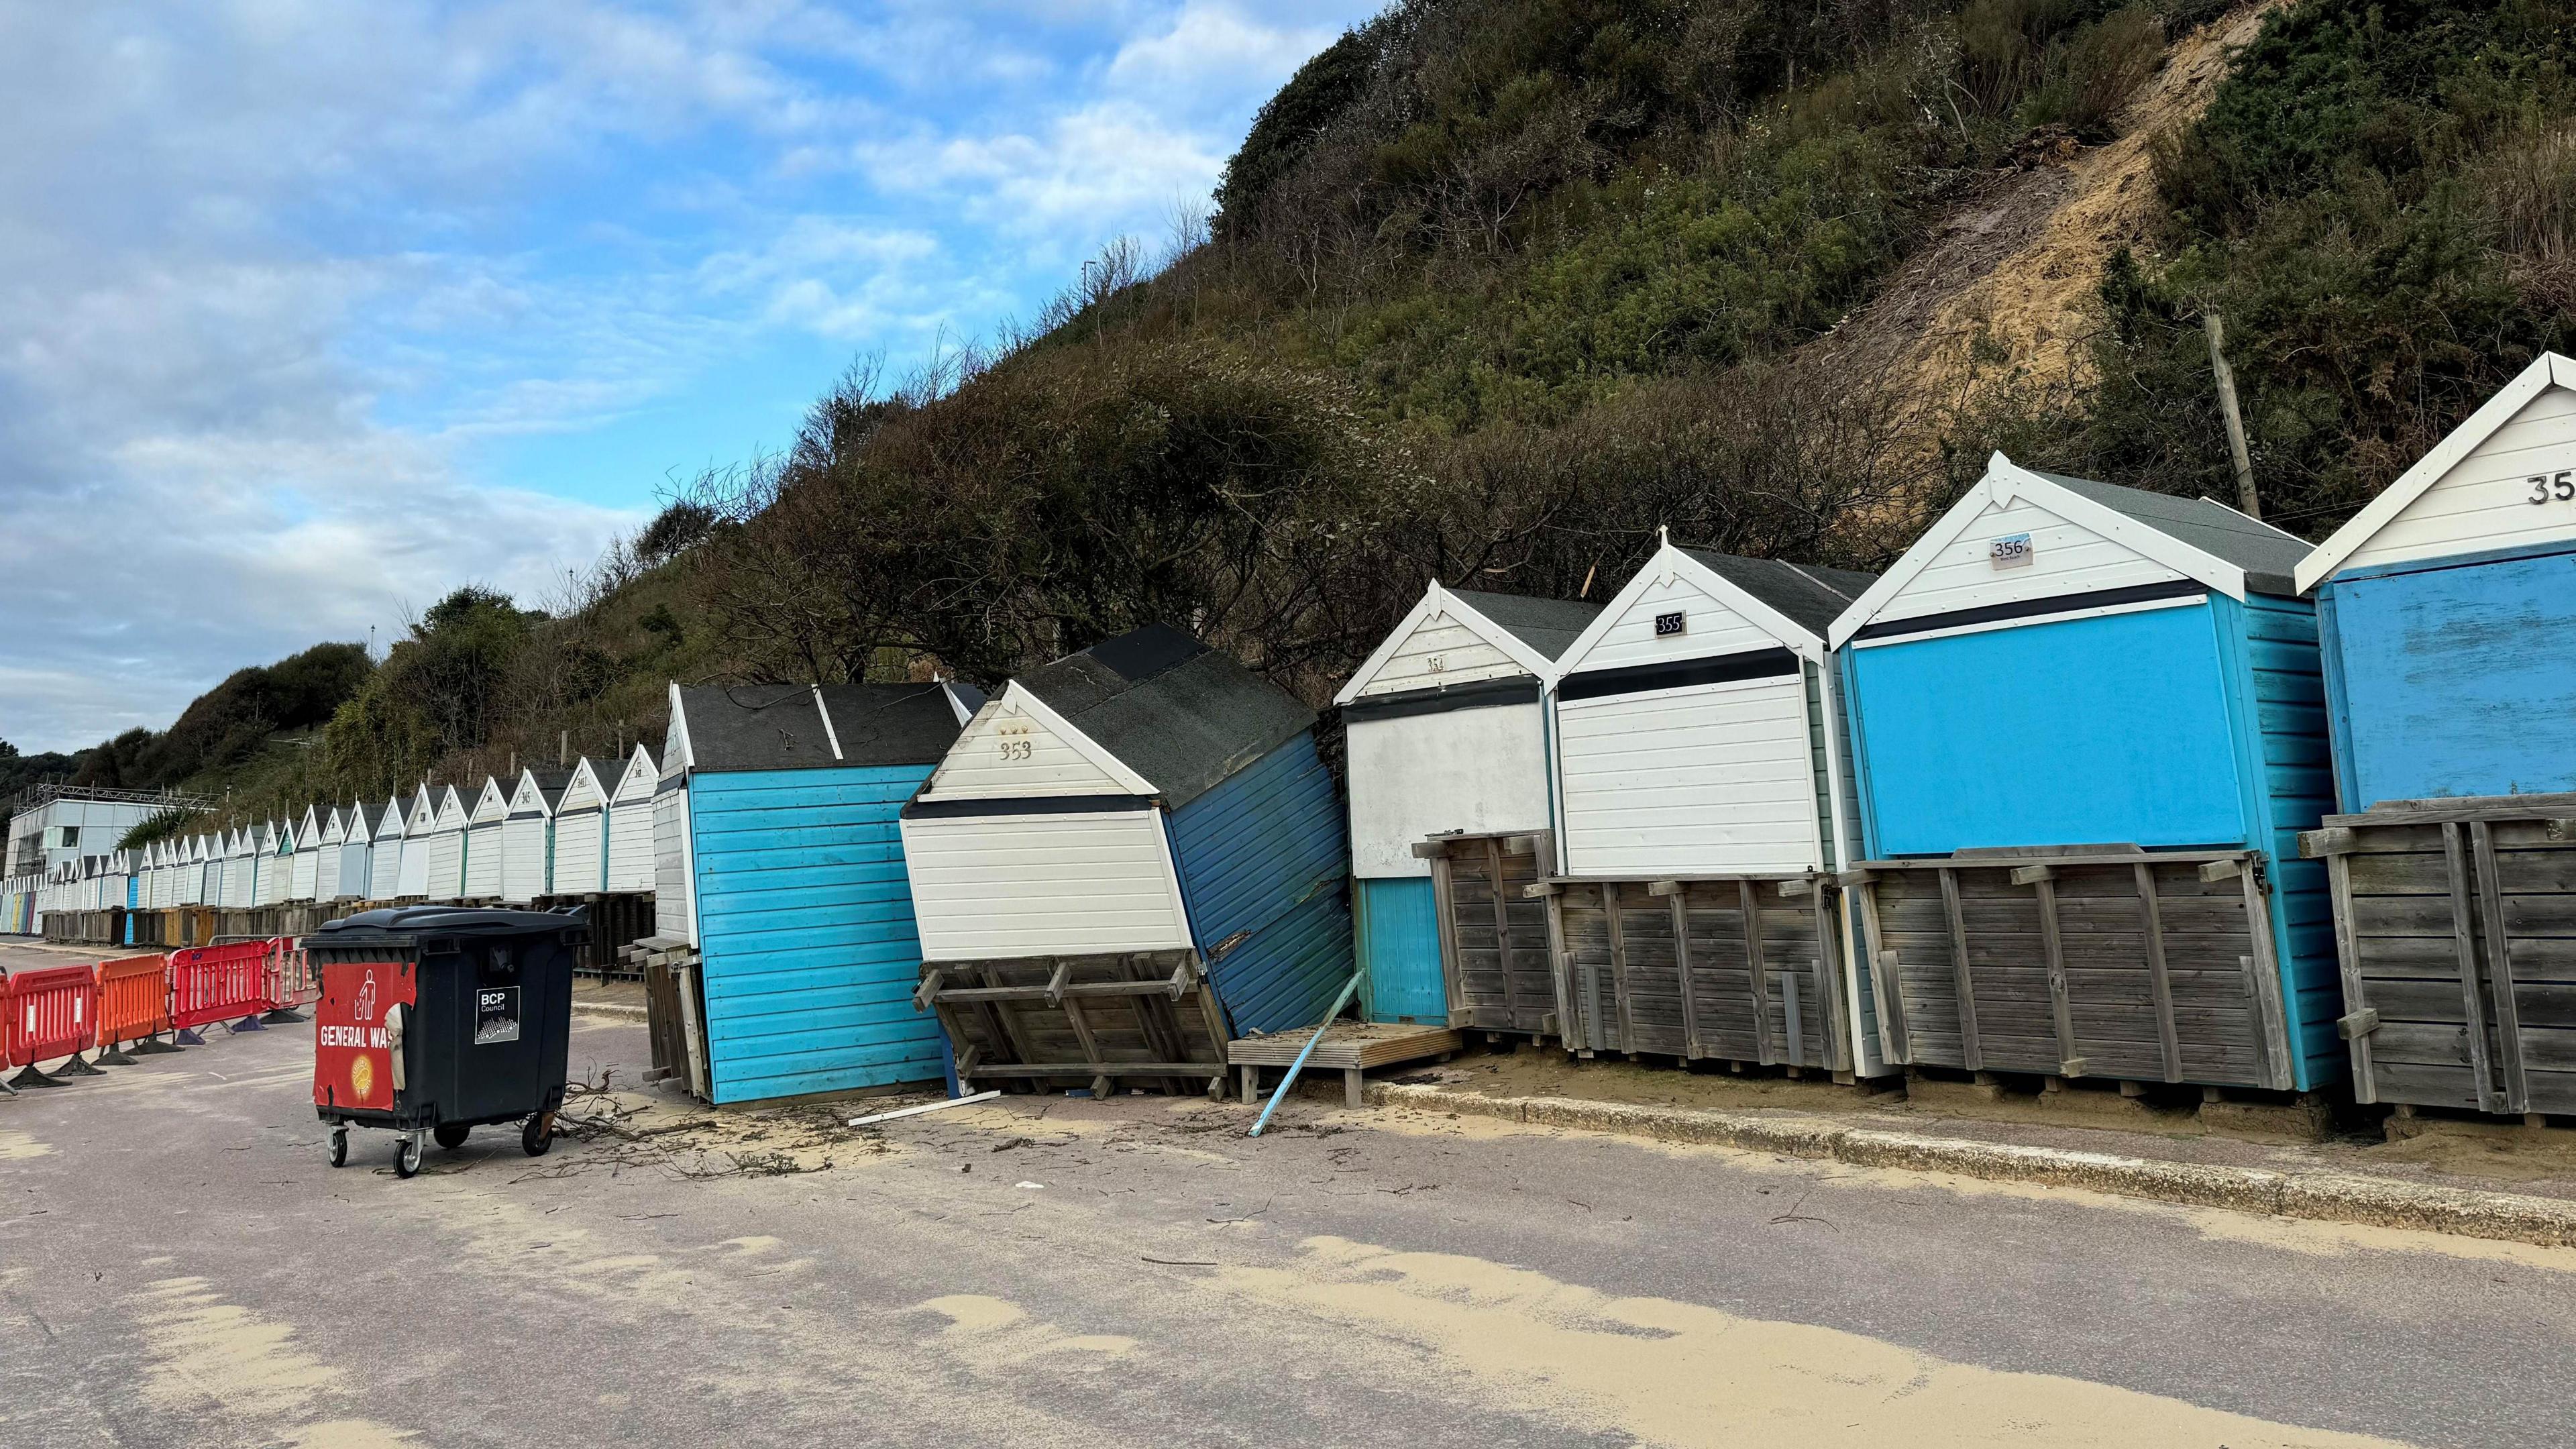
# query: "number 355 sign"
[[2560, 485]]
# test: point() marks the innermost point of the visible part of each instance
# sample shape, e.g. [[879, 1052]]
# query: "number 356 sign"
[[2560, 485]]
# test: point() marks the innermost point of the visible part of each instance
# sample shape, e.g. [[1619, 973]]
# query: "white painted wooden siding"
[[1440, 651], [1477, 770], [525, 859], [446, 872], [1710, 627], [581, 844], [2065, 558], [674, 910], [632, 858], [1000, 887], [485, 849], [1008, 753], [1713, 778], [2484, 502]]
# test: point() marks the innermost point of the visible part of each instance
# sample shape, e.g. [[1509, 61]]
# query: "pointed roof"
[[1547, 626], [308, 836], [1809, 595], [549, 784], [1794, 603], [642, 774], [1529, 632], [1182, 716], [582, 789], [806, 726], [2545, 372], [2199, 538]]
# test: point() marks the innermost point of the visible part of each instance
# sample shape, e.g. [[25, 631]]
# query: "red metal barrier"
[[52, 1013], [218, 983], [290, 985]]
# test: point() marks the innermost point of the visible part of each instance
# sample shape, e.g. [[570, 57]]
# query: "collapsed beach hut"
[[528, 835], [581, 833], [1446, 734], [304, 879], [2088, 726], [1703, 808], [796, 893], [486, 850], [445, 841], [1129, 854], [632, 826], [2444, 610]]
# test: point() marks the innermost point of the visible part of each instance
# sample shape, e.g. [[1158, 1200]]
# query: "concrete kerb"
[[617, 1010], [2316, 1196]]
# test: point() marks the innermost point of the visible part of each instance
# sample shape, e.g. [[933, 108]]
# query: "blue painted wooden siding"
[[2112, 728], [1396, 928], [2455, 679], [805, 920], [2286, 746], [1264, 857]]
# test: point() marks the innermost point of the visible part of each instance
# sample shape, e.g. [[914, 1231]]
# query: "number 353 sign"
[[2560, 486]]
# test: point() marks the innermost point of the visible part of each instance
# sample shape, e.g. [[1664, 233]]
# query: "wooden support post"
[[1972, 1054], [1354, 1091], [2499, 968], [2272, 1010], [2159, 983], [1251, 1075], [1884, 969], [1502, 934], [1839, 1046], [1678, 901], [1618, 965], [2356, 995], [1444, 910], [2246, 499], [1759, 971], [2465, 953], [2050, 942]]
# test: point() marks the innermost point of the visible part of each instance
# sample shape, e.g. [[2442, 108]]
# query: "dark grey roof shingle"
[[894, 724], [2269, 557], [777, 727], [1810, 595], [1173, 710], [1549, 626]]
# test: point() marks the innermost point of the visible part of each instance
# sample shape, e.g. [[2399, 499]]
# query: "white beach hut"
[[445, 880], [633, 823], [304, 879], [527, 835], [581, 833], [485, 849]]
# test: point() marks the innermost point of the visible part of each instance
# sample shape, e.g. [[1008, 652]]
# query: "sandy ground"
[[179, 1264]]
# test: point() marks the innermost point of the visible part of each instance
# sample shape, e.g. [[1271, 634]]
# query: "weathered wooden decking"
[[1348, 1047], [1737, 968], [2078, 962], [1148, 1018], [1496, 959], [2455, 924]]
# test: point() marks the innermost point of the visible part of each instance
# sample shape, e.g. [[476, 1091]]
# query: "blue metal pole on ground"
[[1299, 1065]]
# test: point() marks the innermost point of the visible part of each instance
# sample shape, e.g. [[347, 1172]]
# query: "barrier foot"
[[282, 1015], [247, 1023], [187, 1037], [111, 1055], [78, 1068], [153, 1046], [6, 1090], [32, 1078]]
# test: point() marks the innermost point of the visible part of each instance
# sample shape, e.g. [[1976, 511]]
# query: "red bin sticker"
[[352, 1042]]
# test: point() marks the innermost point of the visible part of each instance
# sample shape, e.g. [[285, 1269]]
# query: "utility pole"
[[2245, 499]]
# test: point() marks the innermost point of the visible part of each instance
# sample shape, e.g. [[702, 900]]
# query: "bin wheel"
[[407, 1156], [538, 1135], [339, 1147], [451, 1135]]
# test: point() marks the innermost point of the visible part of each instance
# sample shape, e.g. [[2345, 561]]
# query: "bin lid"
[[369, 927]]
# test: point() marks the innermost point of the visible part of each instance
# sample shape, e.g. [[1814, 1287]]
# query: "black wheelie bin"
[[435, 1020]]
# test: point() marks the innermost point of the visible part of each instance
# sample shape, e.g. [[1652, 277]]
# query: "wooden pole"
[[2245, 497]]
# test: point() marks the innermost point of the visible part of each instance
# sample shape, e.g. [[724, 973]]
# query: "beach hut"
[[420, 822], [581, 833], [445, 880], [1446, 734], [357, 854], [796, 895], [1702, 809], [528, 835], [2447, 616], [385, 851], [673, 918], [633, 823], [189, 885], [1146, 810], [277, 861], [241, 870], [2088, 727], [305, 883], [485, 850]]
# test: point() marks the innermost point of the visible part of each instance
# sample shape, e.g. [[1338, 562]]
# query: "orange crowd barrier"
[[133, 1006]]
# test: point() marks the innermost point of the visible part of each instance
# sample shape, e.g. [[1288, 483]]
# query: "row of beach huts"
[[2091, 784]]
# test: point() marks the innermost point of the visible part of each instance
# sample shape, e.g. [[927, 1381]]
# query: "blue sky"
[[310, 311]]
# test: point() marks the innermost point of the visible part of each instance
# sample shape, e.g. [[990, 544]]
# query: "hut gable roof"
[[308, 836], [581, 789], [335, 828], [1729, 605], [2472, 492], [1464, 636], [536, 791], [391, 824], [1180, 715], [806, 727], [639, 779], [451, 809], [2084, 537], [1808, 595]]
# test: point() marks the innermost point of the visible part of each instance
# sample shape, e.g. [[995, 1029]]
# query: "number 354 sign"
[[2560, 485]]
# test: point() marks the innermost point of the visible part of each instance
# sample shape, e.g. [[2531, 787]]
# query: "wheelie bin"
[[435, 1020]]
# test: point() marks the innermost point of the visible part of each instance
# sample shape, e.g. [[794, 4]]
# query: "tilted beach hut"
[[1447, 734], [2088, 725], [581, 833], [445, 880], [796, 890], [528, 835], [1144, 810], [1703, 806], [633, 823], [2447, 616]]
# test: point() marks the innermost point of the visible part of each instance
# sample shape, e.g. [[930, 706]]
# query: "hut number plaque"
[[1672, 623], [2011, 551], [2560, 485]]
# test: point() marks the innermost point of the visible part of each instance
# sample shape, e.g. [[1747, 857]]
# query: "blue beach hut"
[[1147, 812], [796, 896], [2088, 725]]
